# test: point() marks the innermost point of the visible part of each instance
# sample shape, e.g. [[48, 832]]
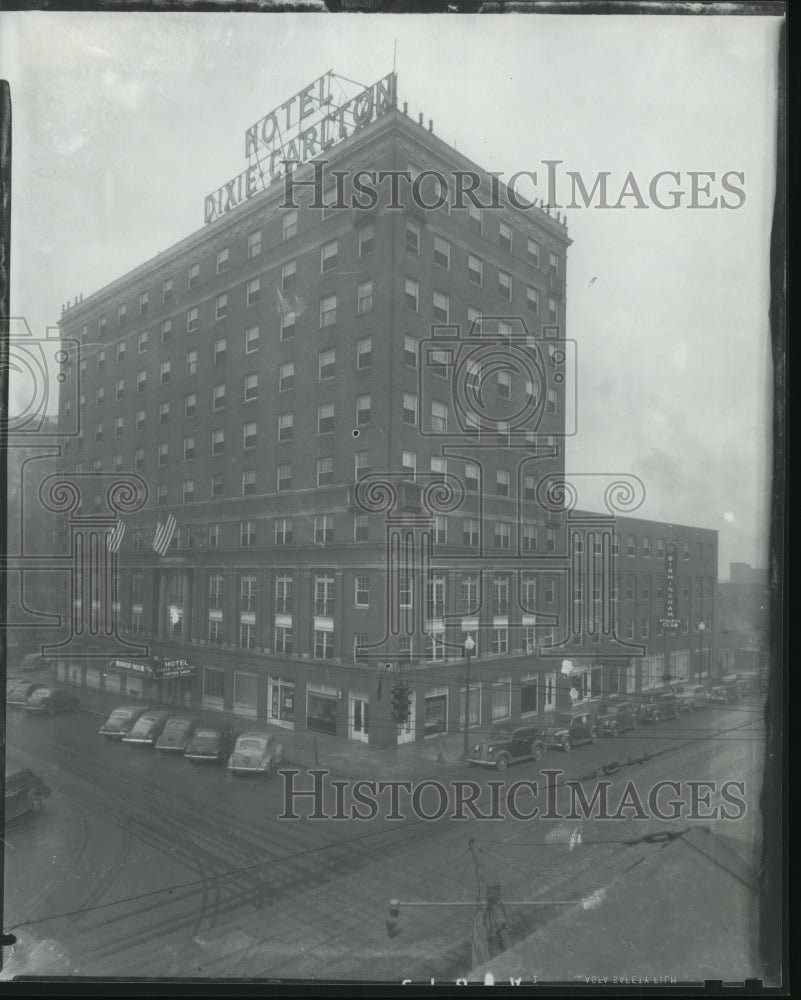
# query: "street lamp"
[[469, 646], [701, 630]]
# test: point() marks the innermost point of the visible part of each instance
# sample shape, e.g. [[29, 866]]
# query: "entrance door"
[[357, 718], [406, 731]]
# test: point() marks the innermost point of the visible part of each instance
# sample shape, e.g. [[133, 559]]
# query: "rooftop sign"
[[301, 128]]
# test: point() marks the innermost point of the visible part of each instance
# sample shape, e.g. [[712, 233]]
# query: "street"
[[142, 864]]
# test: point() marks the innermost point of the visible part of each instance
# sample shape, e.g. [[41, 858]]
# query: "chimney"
[[430, 124], [420, 118]]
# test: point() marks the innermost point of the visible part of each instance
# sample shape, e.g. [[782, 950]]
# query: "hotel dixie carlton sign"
[[306, 125]]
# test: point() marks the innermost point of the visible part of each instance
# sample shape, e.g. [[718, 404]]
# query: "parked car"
[[147, 728], [121, 721], [18, 693], [177, 733], [210, 744], [24, 792], [255, 753], [616, 717], [503, 745], [32, 661], [724, 691], [51, 701], [750, 683], [570, 729], [658, 707], [691, 696]]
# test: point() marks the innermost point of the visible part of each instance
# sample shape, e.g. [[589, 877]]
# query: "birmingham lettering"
[[341, 799]]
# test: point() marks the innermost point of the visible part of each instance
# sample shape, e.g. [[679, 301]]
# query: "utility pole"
[[489, 924]]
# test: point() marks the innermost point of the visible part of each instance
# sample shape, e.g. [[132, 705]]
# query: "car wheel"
[[538, 750], [502, 762], [567, 744]]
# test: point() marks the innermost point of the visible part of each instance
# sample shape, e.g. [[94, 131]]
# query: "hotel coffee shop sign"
[[303, 127], [156, 669]]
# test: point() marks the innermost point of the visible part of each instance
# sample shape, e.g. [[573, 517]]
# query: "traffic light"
[[400, 703]]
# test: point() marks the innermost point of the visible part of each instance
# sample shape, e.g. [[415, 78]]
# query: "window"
[[120, 352], [284, 477], [328, 257], [219, 351], [475, 219], [475, 269], [362, 592], [410, 349], [631, 584], [325, 471], [215, 536], [645, 588], [502, 481], [142, 342], [161, 493], [364, 297], [118, 428], [248, 482], [363, 410], [529, 538], [249, 435], [254, 244], [646, 548], [140, 420], [163, 454], [503, 535], [190, 405], [660, 548], [216, 487], [283, 639], [101, 324], [474, 315], [217, 442], [251, 387], [323, 644], [439, 417], [435, 646], [194, 275], [412, 236], [251, 339], [191, 362], [440, 529], [500, 640], [631, 547], [222, 260], [529, 488], [644, 628], [366, 238], [192, 319], [505, 285], [215, 631], [362, 464], [189, 490], [533, 253], [442, 253], [553, 263], [164, 372], [289, 224], [328, 310], [412, 293], [247, 592], [247, 533], [410, 408], [323, 531], [359, 644], [101, 361], [286, 376], [532, 300], [285, 427], [289, 273], [441, 307], [409, 464], [325, 418], [360, 528], [287, 325], [139, 459], [283, 530], [553, 310], [364, 352], [552, 401], [218, 397], [686, 550], [326, 364], [405, 590], [122, 314], [505, 236], [189, 448], [470, 532], [119, 389], [164, 414], [253, 291], [221, 306], [166, 290]]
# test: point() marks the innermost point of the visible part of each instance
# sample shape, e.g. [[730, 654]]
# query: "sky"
[[124, 122]]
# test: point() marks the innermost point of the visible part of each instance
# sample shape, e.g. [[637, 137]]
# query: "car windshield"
[[564, 720], [41, 694], [206, 734], [120, 715], [145, 721], [176, 725], [252, 744], [499, 734]]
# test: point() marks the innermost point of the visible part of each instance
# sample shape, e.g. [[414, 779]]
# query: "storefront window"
[[321, 711], [436, 711], [502, 699], [528, 694]]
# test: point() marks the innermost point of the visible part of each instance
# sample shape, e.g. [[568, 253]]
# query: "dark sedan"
[[24, 792], [18, 694], [176, 735], [210, 744], [121, 721], [147, 728], [51, 701], [659, 707]]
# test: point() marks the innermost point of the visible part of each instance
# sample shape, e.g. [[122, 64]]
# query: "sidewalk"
[[344, 758]]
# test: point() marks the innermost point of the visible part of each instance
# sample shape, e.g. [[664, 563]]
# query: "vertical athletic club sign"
[[301, 128], [670, 623]]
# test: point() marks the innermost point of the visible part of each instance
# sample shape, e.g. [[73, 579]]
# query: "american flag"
[[114, 537], [163, 534]]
